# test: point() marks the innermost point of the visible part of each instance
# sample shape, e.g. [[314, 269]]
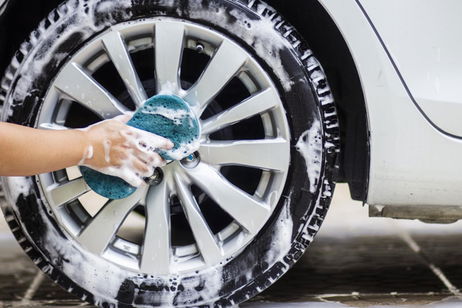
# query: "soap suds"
[[198, 288], [174, 115], [168, 88], [97, 275], [107, 145], [260, 34], [282, 237], [104, 279], [83, 21], [18, 186], [87, 155], [310, 147]]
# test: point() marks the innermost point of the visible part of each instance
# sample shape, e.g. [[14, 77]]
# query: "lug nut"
[[191, 161], [156, 178], [200, 48]]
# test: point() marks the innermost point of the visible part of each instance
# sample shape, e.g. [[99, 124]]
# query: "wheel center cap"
[[164, 115]]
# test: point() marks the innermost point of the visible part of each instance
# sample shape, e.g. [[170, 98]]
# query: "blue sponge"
[[164, 115]]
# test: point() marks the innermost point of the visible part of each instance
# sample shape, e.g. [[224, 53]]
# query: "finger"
[[124, 118], [155, 141], [153, 159], [151, 141], [142, 168], [130, 138], [133, 179], [121, 156], [133, 138]]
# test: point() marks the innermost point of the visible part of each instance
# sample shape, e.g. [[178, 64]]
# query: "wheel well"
[[314, 24], [19, 20], [323, 36]]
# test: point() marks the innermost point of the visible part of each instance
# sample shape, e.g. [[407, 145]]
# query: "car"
[[292, 97]]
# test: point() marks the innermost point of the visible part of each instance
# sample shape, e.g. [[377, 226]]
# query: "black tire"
[[310, 108]]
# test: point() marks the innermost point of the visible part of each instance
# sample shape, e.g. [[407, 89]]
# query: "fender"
[[406, 168], [425, 53]]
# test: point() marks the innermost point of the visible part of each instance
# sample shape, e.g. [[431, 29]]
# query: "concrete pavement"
[[355, 261]]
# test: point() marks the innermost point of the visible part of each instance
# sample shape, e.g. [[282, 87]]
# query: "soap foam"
[[310, 146]]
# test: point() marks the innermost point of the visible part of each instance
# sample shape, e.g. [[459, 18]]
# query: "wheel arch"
[[318, 28]]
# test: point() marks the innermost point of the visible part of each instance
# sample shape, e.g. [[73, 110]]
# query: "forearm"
[[26, 151]]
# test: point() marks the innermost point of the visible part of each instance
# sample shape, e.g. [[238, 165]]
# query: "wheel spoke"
[[117, 51], [156, 249], [268, 154], [224, 65], [247, 211], [74, 82], [205, 239], [101, 230], [65, 193], [169, 40], [256, 104]]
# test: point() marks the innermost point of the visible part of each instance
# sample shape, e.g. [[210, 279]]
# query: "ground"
[[355, 261]]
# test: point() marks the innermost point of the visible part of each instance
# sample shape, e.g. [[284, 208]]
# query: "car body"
[[394, 74], [409, 70]]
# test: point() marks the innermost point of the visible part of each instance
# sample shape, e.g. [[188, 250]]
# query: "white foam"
[[310, 147], [176, 116], [86, 24], [197, 288], [87, 155], [282, 235], [18, 186], [168, 88], [107, 150], [98, 276], [259, 33]]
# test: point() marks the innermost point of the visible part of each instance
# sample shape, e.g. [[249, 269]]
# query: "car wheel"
[[214, 229]]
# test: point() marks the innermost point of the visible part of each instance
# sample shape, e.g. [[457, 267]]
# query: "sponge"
[[164, 115]]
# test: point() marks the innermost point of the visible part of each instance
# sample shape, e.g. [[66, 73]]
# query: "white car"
[[292, 96]]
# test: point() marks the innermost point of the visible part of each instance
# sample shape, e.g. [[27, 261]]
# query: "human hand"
[[116, 149]]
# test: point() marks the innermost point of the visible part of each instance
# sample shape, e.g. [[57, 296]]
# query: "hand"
[[116, 149]]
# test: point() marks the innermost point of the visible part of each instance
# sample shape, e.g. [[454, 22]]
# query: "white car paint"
[[424, 38], [412, 162]]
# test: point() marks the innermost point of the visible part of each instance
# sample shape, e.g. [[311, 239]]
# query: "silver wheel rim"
[[68, 197]]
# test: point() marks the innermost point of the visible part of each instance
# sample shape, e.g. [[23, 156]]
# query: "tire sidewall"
[[280, 243]]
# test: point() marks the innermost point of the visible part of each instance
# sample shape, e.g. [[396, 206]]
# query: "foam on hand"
[[163, 115]]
